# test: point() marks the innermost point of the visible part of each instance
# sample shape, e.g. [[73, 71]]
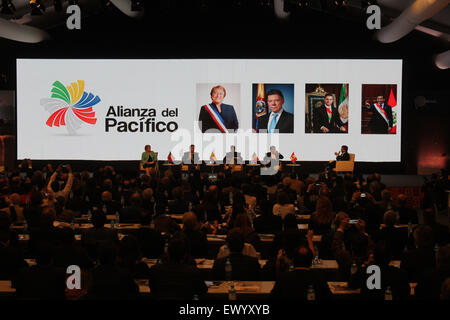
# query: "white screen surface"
[[180, 85]]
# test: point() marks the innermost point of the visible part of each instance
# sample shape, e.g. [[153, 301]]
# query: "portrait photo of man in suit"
[[381, 121], [326, 118], [278, 120]]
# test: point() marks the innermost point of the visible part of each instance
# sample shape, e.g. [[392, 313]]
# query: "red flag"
[[392, 102], [293, 157], [170, 157]]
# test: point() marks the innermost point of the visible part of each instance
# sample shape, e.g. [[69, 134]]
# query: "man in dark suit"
[[295, 284], [176, 279], [278, 120], [326, 118], [381, 121], [191, 157], [99, 236], [132, 213], [341, 156], [233, 157], [243, 267]]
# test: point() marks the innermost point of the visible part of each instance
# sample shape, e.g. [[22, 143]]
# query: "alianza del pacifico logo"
[[70, 106]]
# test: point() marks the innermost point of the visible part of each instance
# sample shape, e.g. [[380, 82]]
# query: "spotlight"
[[264, 3], [136, 5], [7, 7], [367, 3], [340, 3], [37, 8], [58, 5], [105, 4]]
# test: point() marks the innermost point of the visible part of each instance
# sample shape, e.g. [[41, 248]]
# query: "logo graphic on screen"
[[70, 106]]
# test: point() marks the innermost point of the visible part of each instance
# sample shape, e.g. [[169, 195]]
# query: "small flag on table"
[[254, 158], [170, 157], [213, 157], [293, 157], [392, 102]]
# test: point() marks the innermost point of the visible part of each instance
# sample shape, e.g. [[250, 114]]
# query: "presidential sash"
[[329, 112], [382, 112], [216, 117]]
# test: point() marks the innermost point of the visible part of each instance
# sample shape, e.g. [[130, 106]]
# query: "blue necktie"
[[273, 123]]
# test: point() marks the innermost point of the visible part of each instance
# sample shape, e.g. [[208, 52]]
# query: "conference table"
[[218, 290], [214, 241]]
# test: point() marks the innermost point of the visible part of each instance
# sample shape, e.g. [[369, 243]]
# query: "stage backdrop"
[[110, 109]]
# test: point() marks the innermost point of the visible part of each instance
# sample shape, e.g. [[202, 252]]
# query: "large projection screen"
[[110, 109]]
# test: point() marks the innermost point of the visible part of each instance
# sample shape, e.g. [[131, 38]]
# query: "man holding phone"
[[55, 187]]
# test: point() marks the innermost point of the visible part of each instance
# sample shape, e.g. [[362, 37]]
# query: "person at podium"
[[191, 157]]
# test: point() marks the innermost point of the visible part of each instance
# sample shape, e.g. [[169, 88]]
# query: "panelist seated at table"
[[191, 157], [148, 159], [273, 156], [295, 284], [233, 157]]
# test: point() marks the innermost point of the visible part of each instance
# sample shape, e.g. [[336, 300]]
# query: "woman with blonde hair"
[[322, 218]]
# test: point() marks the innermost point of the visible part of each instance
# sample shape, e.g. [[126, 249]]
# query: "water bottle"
[[159, 261], [291, 267], [72, 225], [25, 227], [104, 209], [232, 293], [436, 249], [409, 227], [166, 247], [86, 198], [354, 268], [228, 270], [190, 206], [89, 214], [310, 294], [388, 294], [316, 257], [230, 196], [117, 217]]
